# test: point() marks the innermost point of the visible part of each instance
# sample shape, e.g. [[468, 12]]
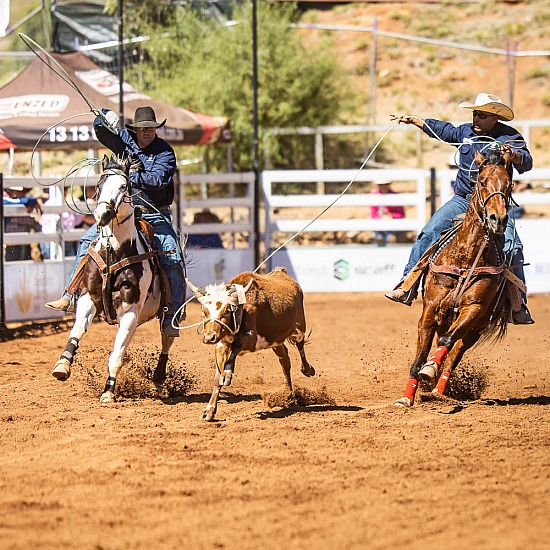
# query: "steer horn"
[[197, 291]]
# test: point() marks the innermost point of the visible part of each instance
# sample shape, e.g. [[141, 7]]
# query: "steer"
[[253, 312]]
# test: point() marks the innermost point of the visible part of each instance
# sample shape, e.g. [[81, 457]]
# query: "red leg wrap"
[[442, 383], [439, 355], [410, 391]]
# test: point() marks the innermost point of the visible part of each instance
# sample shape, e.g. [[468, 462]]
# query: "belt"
[[155, 210]]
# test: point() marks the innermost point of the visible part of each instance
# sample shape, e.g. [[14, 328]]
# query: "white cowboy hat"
[[492, 104]]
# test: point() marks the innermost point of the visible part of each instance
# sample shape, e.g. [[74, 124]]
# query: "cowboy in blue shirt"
[[152, 190], [482, 134]]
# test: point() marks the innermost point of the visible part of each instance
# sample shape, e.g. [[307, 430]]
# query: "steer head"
[[222, 310]]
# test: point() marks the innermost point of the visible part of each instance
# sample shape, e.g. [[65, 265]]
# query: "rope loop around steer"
[[236, 311]]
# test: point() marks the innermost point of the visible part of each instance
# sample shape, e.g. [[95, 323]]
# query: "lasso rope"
[[472, 175], [64, 75], [54, 66], [352, 181], [471, 170]]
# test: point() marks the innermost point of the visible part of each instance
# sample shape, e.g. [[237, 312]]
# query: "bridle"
[[125, 196], [482, 202]]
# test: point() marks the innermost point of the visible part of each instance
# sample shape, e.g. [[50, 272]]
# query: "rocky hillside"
[[431, 79]]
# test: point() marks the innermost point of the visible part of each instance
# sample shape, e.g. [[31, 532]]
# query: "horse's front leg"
[[426, 333], [223, 352], [462, 327], [127, 324], [85, 313], [454, 359]]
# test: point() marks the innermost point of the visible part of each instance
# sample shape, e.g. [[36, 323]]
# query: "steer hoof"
[[403, 402], [428, 372], [62, 370], [208, 414]]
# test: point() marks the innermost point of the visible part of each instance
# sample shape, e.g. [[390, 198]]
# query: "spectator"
[[205, 240], [382, 238], [22, 224]]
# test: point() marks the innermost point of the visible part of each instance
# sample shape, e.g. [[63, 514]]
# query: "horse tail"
[[498, 327]]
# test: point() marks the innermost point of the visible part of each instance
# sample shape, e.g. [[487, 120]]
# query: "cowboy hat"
[[492, 104], [145, 117]]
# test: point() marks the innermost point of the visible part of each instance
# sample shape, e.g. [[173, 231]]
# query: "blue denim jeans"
[[443, 220], [165, 239]]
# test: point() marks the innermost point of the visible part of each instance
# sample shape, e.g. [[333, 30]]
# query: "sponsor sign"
[[344, 269], [33, 105]]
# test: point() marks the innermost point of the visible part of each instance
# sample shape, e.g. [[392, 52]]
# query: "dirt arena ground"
[[356, 474]]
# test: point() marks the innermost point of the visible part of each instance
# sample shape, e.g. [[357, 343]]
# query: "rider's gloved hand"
[[111, 117]]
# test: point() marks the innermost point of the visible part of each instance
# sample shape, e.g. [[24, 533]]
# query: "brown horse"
[[465, 296]]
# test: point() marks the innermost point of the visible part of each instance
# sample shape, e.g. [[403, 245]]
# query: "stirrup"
[[401, 296]]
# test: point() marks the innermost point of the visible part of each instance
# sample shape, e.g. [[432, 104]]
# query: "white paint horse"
[[120, 278]]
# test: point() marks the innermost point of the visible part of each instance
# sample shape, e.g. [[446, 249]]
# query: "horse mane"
[[117, 162], [494, 156]]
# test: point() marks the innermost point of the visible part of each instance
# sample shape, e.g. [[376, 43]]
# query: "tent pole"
[[2, 295], [255, 139], [120, 65]]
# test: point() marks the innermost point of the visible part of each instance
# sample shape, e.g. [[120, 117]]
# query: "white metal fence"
[[330, 268]]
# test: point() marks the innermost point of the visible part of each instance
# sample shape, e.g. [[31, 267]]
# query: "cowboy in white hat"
[[152, 189], [484, 132]]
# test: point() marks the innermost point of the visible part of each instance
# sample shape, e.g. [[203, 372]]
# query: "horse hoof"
[[62, 370], [308, 371], [107, 397], [428, 372], [403, 402]]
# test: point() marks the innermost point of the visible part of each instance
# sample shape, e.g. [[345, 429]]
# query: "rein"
[[116, 172], [483, 203], [465, 275]]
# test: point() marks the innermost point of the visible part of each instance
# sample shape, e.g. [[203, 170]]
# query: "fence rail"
[[317, 268]]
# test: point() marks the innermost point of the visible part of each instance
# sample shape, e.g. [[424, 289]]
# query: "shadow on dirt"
[[205, 397], [289, 411], [533, 400], [34, 330]]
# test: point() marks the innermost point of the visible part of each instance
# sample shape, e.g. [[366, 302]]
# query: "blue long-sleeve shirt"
[[154, 181], [468, 142]]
